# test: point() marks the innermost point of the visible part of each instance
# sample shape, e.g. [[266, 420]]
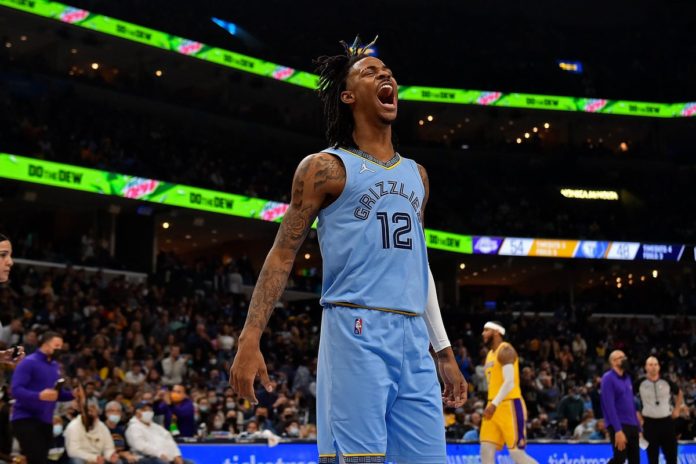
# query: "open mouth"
[[386, 94]]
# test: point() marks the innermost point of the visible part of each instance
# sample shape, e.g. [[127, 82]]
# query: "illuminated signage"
[[580, 194], [162, 40]]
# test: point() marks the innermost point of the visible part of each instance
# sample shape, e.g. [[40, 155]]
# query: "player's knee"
[[521, 457], [488, 453]]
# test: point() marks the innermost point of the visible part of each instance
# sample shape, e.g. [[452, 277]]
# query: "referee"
[[658, 413]]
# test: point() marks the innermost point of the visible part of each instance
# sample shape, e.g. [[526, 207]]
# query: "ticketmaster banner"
[[555, 453]]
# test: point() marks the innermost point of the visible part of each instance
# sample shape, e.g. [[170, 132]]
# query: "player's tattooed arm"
[[426, 184], [507, 355], [318, 180]]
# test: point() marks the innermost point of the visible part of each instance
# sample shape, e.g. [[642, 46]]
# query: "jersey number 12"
[[400, 219]]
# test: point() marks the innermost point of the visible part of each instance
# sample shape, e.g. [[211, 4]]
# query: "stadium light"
[[655, 273], [547, 125], [158, 73], [462, 266], [307, 256], [95, 66], [165, 225], [430, 118]]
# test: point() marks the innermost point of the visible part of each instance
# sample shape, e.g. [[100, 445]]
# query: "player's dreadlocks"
[[333, 72]]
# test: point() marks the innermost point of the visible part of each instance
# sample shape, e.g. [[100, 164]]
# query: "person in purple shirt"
[[619, 410], [33, 388], [177, 403]]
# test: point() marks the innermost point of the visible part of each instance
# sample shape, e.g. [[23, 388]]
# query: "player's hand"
[[620, 440], [247, 364], [489, 411], [456, 388]]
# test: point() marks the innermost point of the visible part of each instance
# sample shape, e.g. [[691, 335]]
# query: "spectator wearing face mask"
[[292, 429], [176, 403], [151, 442], [114, 422]]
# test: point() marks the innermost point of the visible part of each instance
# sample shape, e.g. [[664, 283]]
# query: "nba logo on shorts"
[[357, 328]]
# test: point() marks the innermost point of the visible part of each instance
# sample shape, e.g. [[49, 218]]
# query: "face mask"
[[57, 430], [56, 354], [261, 418], [204, 408], [177, 397], [294, 432], [212, 400], [147, 416], [624, 364], [218, 424], [114, 418], [231, 405]]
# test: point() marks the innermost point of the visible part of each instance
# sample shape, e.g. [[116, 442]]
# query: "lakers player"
[[505, 415], [378, 397]]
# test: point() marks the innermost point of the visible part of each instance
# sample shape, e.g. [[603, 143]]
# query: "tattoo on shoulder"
[[507, 354], [327, 169]]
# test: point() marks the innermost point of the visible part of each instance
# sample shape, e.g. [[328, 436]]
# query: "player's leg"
[[491, 435], [354, 382], [488, 451], [515, 431], [415, 422]]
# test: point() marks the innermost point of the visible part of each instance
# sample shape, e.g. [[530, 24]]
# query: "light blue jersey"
[[378, 396], [371, 237]]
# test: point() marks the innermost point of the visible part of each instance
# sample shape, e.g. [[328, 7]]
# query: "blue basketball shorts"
[[378, 396]]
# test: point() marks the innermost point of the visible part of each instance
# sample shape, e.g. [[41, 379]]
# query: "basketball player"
[[11, 356], [505, 415], [378, 396]]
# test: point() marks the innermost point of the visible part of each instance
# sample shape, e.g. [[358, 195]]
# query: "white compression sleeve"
[[508, 384], [433, 319]]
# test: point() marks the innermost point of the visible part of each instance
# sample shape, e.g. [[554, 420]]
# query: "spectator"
[[571, 408], [135, 376], [88, 440], [150, 441], [586, 428], [600, 431], [177, 403], [473, 433], [262, 420], [114, 416], [579, 346], [173, 367]]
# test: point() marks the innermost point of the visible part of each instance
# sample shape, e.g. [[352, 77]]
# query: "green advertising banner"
[[244, 63], [166, 193]]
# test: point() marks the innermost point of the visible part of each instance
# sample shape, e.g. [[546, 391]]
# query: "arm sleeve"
[[75, 445], [608, 406], [21, 379], [508, 384], [433, 319]]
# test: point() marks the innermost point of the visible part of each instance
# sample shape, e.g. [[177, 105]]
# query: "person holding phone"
[[36, 387], [16, 353]]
